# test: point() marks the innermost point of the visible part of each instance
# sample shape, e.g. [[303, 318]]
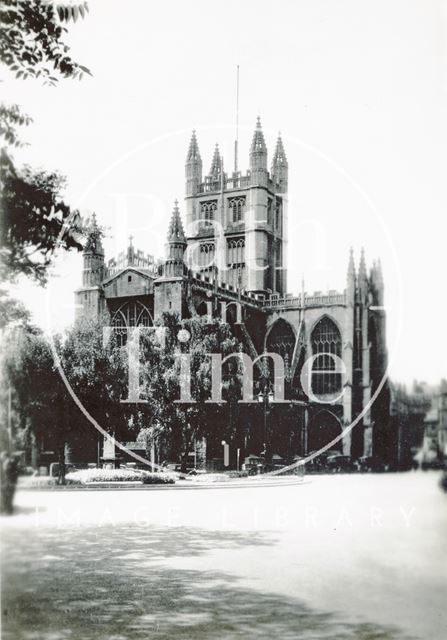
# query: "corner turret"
[[93, 256], [175, 248], [169, 290]]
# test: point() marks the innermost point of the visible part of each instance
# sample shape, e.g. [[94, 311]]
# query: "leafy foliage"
[[35, 221], [98, 377], [34, 217], [36, 390], [31, 44], [13, 313], [179, 424], [10, 119]]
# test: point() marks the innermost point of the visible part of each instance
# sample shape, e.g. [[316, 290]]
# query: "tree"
[[33, 393], [179, 424], [98, 375], [13, 313], [35, 220], [31, 45]]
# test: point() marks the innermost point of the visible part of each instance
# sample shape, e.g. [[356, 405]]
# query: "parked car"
[[370, 463], [339, 463], [319, 463], [196, 472]]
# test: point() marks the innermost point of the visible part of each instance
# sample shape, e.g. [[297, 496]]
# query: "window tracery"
[[236, 207], [326, 340], [130, 314], [207, 212]]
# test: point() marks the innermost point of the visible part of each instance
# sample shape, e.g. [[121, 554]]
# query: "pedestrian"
[[8, 473]]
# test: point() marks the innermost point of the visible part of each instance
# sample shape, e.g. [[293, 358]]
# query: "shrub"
[[117, 475], [158, 478]]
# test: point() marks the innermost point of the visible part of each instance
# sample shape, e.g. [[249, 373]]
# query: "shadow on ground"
[[114, 584]]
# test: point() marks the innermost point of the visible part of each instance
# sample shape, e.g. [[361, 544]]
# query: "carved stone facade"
[[234, 252]]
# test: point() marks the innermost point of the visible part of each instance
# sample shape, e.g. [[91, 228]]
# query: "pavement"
[[340, 556]]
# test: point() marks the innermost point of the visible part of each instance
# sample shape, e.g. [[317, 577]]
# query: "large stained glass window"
[[130, 314], [326, 341]]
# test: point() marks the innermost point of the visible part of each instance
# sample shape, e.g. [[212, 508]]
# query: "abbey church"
[[231, 249]]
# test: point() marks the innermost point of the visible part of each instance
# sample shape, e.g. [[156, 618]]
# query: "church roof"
[[150, 274]]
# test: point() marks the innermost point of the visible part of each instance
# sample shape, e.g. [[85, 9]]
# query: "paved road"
[[346, 557]]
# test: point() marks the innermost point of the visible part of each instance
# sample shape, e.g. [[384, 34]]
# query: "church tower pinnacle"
[[175, 248], [216, 166], [258, 156], [280, 166], [193, 167], [93, 256], [362, 278], [350, 281]]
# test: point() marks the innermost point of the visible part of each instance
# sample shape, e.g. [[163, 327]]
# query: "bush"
[[158, 478], [117, 475]]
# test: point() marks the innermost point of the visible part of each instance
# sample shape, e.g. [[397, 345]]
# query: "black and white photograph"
[[223, 377]]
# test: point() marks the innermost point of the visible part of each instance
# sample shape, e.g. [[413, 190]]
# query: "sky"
[[357, 90]]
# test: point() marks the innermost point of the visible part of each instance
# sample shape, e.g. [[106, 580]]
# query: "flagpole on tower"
[[237, 121]]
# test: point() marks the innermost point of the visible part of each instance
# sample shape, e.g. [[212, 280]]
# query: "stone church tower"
[[232, 252], [89, 297], [236, 225]]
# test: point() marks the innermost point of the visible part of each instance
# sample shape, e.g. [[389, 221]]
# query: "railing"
[[238, 183], [149, 269], [207, 282], [214, 186], [274, 301], [309, 301]]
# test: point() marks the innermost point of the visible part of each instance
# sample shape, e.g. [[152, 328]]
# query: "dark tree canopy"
[[35, 221]]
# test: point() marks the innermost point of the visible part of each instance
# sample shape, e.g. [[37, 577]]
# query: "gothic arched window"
[[237, 207], [326, 340], [236, 262], [236, 252], [130, 314], [206, 256], [281, 339], [207, 212]]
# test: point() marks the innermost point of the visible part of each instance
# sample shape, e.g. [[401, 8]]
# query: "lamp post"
[[266, 398], [226, 453]]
